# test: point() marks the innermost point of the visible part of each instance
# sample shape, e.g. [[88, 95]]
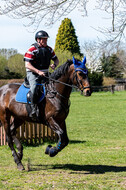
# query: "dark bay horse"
[[53, 109]]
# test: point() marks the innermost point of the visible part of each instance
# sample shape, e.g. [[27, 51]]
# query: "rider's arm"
[[29, 66], [56, 63]]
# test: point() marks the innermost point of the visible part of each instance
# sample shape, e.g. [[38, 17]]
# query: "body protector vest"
[[42, 57]]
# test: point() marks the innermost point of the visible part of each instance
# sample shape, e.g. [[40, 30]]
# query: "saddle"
[[24, 94]]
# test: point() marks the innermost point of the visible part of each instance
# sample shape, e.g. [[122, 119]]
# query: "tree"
[[121, 54], [92, 52], [7, 52], [16, 65], [111, 66], [96, 78], [66, 38], [116, 33], [3, 65]]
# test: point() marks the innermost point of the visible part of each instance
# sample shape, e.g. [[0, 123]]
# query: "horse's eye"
[[81, 74]]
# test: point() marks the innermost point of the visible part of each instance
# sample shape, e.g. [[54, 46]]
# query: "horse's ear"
[[74, 60], [84, 60]]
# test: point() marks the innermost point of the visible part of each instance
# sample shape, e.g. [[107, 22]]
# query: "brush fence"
[[31, 133]]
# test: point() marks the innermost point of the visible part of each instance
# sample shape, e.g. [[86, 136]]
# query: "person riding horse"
[[37, 61], [13, 113]]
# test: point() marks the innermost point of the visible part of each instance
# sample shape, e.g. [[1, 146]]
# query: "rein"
[[57, 81], [72, 86]]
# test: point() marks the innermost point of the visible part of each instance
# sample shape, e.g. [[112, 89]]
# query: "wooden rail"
[[111, 88], [31, 133]]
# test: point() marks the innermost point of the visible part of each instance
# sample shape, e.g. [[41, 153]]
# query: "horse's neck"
[[62, 88]]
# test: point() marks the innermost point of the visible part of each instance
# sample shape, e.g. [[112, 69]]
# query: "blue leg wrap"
[[47, 149], [53, 151], [59, 145]]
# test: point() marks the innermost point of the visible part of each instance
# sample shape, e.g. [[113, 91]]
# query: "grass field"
[[95, 158]]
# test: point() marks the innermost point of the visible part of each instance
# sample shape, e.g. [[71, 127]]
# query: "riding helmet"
[[41, 34]]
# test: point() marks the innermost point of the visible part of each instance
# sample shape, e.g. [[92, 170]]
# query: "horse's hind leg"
[[15, 124], [19, 147], [6, 122]]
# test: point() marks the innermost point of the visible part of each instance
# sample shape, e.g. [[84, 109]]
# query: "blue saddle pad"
[[22, 92]]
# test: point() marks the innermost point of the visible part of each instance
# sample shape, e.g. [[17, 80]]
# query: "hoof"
[[47, 149], [53, 151], [20, 167]]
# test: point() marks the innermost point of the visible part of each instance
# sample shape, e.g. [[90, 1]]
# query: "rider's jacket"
[[40, 57]]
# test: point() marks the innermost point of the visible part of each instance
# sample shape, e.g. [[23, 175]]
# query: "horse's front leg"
[[63, 138]]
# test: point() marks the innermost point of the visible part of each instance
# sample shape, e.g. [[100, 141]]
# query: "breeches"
[[33, 81]]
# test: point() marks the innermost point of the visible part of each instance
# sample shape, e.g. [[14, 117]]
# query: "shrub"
[[96, 78]]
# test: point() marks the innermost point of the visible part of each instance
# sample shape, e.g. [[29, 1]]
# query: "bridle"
[[84, 71], [79, 82]]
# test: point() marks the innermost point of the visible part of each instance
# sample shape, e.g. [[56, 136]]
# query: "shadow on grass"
[[76, 142], [83, 169], [25, 144]]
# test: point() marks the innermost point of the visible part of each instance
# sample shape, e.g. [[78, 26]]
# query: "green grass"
[[95, 158]]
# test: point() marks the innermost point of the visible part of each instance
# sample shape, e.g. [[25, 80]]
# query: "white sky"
[[14, 35]]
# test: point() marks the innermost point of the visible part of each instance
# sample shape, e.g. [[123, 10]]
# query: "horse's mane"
[[61, 70]]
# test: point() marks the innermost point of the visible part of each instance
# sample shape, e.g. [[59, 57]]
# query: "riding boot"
[[33, 111]]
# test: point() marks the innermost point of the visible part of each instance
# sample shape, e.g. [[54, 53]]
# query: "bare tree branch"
[[49, 11], [38, 10], [115, 34]]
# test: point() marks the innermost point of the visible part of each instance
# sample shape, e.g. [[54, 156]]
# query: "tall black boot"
[[33, 111]]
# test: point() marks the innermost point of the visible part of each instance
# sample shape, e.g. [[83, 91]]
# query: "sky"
[[13, 34]]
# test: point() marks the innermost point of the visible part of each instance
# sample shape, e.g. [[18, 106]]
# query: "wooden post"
[[43, 132], [31, 133], [1, 135], [112, 89], [22, 132], [124, 86], [26, 132]]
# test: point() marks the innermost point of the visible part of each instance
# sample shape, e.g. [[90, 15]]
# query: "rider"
[[37, 61]]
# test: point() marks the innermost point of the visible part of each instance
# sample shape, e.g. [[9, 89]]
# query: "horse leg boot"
[[63, 139]]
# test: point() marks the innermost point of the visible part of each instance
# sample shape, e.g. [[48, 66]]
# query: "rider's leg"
[[32, 78]]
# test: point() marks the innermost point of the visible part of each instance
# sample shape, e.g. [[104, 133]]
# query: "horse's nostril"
[[88, 93]]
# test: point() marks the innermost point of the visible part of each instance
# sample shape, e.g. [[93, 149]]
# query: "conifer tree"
[[66, 38]]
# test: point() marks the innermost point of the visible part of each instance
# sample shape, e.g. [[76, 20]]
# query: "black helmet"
[[41, 34]]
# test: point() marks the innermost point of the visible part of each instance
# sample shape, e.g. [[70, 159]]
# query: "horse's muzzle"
[[87, 92]]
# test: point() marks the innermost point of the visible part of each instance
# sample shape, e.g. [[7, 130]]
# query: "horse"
[[53, 109]]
